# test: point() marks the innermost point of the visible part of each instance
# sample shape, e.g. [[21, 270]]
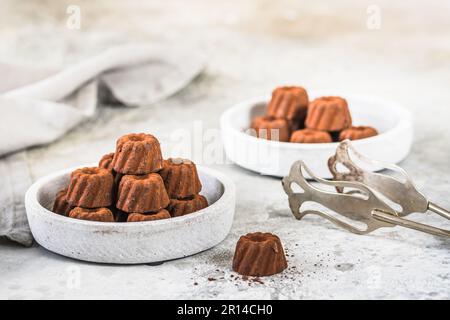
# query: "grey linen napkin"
[[38, 106]]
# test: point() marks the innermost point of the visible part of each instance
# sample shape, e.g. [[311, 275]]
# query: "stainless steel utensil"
[[375, 199]]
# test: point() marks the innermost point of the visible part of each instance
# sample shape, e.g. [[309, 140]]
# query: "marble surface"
[[253, 47]]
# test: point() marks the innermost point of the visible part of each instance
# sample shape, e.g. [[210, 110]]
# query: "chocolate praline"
[[259, 254]]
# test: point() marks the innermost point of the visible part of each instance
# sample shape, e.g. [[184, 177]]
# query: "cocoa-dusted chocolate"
[[259, 254], [106, 162], [136, 217], [97, 214], [356, 133], [144, 193], [296, 120], [142, 196], [270, 128], [137, 153], [61, 206], [290, 103], [328, 114], [180, 178], [90, 188], [310, 136], [181, 207]]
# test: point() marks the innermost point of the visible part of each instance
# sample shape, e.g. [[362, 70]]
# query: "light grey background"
[[253, 47]]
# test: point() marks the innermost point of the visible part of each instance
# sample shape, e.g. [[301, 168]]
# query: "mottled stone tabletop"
[[253, 47]]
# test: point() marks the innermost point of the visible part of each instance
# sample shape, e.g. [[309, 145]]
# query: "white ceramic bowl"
[[392, 145], [131, 242]]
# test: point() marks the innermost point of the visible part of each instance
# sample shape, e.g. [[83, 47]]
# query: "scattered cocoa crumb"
[[211, 279], [195, 284], [258, 279]]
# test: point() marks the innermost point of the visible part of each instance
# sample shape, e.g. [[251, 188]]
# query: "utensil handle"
[[439, 210], [387, 217]]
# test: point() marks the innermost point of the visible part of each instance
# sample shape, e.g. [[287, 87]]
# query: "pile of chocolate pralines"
[[132, 184], [290, 117]]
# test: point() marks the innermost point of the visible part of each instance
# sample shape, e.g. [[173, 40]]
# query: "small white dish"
[[392, 145], [131, 242]]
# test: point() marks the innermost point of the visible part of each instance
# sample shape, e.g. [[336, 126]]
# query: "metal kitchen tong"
[[362, 196]]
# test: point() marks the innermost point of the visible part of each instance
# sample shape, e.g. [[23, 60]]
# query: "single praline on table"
[[259, 254]]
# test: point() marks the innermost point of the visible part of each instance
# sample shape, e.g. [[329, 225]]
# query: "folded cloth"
[[39, 105], [15, 181]]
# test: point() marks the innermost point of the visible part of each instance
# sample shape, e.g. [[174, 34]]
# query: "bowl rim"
[[32, 193], [226, 122]]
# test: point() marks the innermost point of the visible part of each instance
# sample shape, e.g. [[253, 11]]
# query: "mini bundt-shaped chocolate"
[[61, 206], [271, 128], [181, 207], [90, 188], [136, 217], [142, 194], [311, 136], [259, 254], [98, 214], [356, 133], [180, 178], [290, 103], [106, 162], [137, 153], [328, 114]]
